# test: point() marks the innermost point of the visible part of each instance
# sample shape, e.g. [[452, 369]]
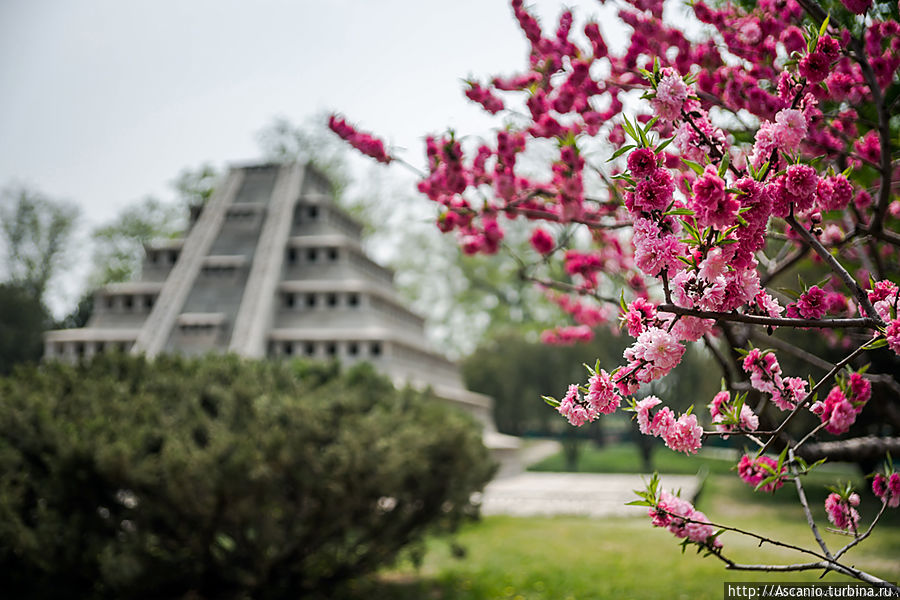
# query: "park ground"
[[581, 558]]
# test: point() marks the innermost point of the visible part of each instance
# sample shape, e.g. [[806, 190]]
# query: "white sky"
[[105, 101]]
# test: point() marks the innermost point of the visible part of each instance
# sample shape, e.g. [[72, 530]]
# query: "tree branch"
[[863, 322], [837, 267]]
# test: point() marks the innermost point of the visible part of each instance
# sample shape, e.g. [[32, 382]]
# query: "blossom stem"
[[838, 269], [812, 393]]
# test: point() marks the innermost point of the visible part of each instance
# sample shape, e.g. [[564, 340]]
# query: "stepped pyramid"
[[271, 267]]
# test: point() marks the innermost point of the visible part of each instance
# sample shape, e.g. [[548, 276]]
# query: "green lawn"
[[625, 458], [581, 559]]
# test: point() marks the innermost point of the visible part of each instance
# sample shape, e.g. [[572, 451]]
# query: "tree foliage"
[[22, 323], [35, 230], [219, 477], [119, 245]]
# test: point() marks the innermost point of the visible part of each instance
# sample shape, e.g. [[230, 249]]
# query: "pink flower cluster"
[[810, 305], [712, 206], [765, 376], [683, 434], [567, 336], [575, 409], [671, 92], [726, 418], [841, 511], [364, 142], [601, 398], [755, 471], [654, 354], [843, 403], [484, 97], [884, 296], [681, 518], [887, 488]]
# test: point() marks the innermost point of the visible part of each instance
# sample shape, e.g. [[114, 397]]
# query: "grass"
[[579, 558], [625, 458], [584, 559]]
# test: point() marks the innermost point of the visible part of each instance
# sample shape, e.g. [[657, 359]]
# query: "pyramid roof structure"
[[269, 267]]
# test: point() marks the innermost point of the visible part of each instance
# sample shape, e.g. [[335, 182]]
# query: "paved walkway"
[[583, 494]]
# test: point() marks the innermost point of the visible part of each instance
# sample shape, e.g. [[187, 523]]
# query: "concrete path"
[[583, 494]]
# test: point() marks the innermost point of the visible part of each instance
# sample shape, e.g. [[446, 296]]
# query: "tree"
[[733, 161], [22, 323], [195, 186], [35, 232], [119, 245], [218, 477]]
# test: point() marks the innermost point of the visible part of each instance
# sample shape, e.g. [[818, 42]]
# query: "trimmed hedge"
[[219, 477]]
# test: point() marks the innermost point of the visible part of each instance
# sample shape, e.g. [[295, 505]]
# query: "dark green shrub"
[[219, 477]]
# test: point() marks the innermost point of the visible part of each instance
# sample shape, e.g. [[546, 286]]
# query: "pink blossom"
[[869, 147], [887, 488], [654, 192], [801, 180], [841, 511], [815, 67], [810, 305], [884, 296], [791, 391], [722, 411], [764, 370], [364, 142], [643, 413], [671, 92], [892, 335], [655, 251], [638, 316], [767, 305], [602, 394], [790, 129], [485, 97], [682, 519], [642, 162], [542, 241], [792, 38], [691, 329], [710, 202], [754, 471], [836, 411], [573, 408], [658, 348], [684, 435], [858, 7], [714, 265]]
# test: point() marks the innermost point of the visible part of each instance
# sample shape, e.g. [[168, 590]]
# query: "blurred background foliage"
[[220, 477]]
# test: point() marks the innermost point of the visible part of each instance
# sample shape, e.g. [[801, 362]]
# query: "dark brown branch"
[[851, 450], [837, 267], [863, 322], [812, 394]]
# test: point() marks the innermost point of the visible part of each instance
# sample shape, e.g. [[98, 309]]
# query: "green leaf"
[[679, 211], [551, 401], [621, 151], [695, 167], [663, 144], [724, 166], [878, 343], [824, 26]]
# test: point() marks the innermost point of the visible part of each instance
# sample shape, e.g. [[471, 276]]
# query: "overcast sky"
[[105, 101]]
